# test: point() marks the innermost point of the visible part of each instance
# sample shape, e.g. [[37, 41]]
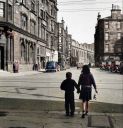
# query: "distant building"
[[64, 45], [82, 53], [109, 37]]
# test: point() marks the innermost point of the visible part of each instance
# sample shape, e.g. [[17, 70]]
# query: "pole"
[[7, 36]]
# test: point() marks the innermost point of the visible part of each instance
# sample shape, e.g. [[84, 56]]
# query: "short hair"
[[68, 75], [85, 69]]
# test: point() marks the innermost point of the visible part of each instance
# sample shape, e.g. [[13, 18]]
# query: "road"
[[45, 86]]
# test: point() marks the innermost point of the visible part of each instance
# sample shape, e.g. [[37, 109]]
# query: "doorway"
[[1, 57]]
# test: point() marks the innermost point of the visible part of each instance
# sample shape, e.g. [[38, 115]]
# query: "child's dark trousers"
[[69, 103]]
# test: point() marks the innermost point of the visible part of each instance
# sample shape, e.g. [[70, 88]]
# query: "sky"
[[80, 16]]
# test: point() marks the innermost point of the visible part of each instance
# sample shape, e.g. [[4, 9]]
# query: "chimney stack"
[[115, 12]]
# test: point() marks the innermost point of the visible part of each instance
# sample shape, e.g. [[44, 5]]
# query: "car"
[[51, 66], [79, 65]]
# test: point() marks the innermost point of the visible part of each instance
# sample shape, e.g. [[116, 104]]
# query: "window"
[[42, 14], [43, 1], [106, 24], [9, 12], [118, 25], [118, 35], [52, 26], [31, 53], [47, 39], [107, 48], [23, 52], [43, 33], [2, 6], [24, 21], [33, 5], [106, 36], [60, 39], [38, 51], [52, 41], [119, 50], [24, 2], [47, 22], [60, 30], [32, 26]]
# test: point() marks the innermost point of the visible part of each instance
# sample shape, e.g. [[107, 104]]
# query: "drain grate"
[[3, 113], [99, 121]]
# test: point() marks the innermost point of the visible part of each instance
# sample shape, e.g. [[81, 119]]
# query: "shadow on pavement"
[[46, 105]]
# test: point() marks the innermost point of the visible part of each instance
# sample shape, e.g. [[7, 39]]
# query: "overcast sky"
[[81, 16]]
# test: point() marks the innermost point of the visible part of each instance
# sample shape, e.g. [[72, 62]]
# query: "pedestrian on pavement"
[[86, 80], [69, 85]]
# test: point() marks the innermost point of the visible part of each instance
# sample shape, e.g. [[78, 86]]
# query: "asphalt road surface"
[[46, 86]]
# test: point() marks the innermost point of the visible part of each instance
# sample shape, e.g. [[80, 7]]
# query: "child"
[[86, 81], [68, 85]]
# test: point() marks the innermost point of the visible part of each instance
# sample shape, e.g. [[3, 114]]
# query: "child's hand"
[[96, 91]]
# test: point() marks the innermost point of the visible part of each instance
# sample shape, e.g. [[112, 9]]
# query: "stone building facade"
[[82, 53], [28, 33], [64, 45], [109, 37]]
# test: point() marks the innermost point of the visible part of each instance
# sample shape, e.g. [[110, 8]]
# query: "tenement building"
[[64, 45], [109, 37], [28, 33]]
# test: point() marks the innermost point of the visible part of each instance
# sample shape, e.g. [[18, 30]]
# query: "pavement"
[[57, 119], [9, 74], [25, 113]]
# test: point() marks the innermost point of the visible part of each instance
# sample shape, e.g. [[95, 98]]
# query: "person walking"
[[69, 85], [86, 80]]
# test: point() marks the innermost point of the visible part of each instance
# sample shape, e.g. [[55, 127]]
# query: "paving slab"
[[99, 121]]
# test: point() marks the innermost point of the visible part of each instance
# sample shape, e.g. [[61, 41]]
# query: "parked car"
[[51, 66], [102, 65], [115, 66], [79, 65]]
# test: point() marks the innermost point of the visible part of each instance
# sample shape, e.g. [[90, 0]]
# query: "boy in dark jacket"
[[68, 85]]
